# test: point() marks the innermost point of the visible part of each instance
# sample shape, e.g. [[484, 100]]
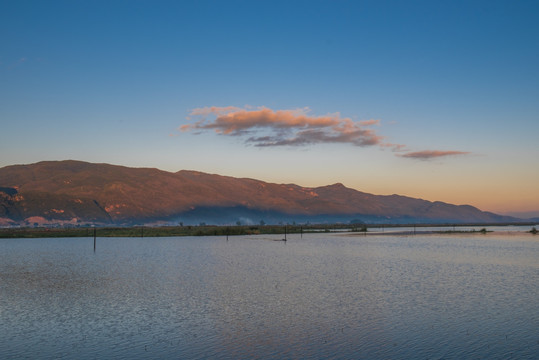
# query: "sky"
[[436, 100]]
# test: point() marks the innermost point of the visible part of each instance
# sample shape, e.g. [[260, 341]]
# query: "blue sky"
[[455, 83]]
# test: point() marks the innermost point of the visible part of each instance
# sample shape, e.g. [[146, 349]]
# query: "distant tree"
[[262, 223], [238, 223]]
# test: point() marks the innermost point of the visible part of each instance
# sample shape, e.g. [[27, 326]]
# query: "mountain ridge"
[[82, 192]]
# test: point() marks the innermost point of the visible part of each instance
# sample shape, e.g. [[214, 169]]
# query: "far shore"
[[224, 230], [449, 233]]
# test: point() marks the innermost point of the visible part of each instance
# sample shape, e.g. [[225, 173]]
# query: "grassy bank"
[[212, 230], [137, 231]]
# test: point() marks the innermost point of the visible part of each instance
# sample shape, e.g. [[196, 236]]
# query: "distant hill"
[[80, 192]]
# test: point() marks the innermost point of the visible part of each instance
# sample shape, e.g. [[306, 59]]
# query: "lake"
[[325, 295]]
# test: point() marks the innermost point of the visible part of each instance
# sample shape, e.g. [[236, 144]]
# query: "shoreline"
[[212, 230], [449, 233]]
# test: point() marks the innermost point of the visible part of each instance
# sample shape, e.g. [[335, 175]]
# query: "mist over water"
[[319, 296]]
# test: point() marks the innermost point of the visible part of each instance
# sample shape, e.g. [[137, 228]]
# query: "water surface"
[[320, 296]]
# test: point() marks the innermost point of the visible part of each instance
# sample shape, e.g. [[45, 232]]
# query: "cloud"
[[432, 154], [266, 127], [305, 137]]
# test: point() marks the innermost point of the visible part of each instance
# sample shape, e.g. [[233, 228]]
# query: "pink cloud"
[[282, 127], [265, 127], [432, 154]]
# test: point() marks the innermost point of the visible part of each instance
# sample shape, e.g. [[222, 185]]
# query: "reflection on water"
[[320, 296]]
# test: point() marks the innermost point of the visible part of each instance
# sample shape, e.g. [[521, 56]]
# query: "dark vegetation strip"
[[210, 230], [161, 231]]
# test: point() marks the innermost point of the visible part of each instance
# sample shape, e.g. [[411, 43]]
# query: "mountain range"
[[76, 192]]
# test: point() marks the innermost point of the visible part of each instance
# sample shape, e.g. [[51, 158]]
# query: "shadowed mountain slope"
[[103, 193]]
